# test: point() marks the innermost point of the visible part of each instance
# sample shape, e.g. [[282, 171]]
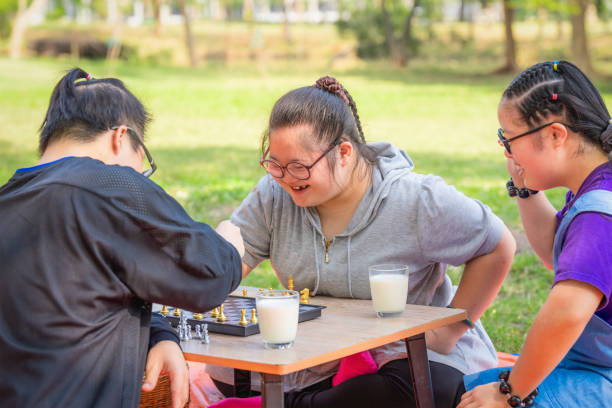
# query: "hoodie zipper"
[[327, 245]]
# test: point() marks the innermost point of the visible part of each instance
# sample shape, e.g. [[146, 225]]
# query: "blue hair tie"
[[555, 64]]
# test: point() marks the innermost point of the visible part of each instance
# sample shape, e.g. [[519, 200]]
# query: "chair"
[[160, 396]]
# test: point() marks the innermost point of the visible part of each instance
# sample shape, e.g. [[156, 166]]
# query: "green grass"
[[208, 122]]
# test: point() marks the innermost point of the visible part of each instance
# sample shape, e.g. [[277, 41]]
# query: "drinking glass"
[[277, 311], [389, 289]]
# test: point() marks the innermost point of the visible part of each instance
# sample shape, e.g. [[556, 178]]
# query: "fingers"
[[152, 370], [179, 386], [465, 400]]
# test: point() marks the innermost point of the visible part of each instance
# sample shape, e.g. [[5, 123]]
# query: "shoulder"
[[113, 184]]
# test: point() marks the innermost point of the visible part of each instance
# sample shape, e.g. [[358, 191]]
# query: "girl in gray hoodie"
[[332, 204]]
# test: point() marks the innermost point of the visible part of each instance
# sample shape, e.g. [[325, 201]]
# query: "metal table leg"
[[272, 391], [419, 371], [242, 383]]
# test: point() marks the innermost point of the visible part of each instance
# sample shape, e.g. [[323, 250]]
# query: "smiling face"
[[538, 157], [289, 144]]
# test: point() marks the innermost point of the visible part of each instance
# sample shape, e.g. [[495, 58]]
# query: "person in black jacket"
[[87, 243]]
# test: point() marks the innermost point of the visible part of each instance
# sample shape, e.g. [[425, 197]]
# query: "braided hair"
[[329, 109], [81, 107], [560, 88]]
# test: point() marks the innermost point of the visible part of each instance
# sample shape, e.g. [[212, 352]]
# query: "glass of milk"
[[389, 289], [277, 311]]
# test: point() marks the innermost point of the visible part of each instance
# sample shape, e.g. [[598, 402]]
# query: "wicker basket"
[[160, 396]]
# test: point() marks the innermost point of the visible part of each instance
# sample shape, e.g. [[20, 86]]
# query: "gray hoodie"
[[405, 218]]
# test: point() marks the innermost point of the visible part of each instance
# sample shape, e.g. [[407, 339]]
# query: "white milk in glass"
[[389, 292], [278, 319]]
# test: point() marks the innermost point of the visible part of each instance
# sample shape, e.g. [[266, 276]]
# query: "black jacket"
[[85, 248]]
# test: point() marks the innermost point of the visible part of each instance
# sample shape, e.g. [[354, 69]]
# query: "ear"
[[559, 134], [346, 151], [117, 139]]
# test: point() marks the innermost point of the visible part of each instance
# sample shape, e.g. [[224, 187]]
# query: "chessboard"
[[231, 308]]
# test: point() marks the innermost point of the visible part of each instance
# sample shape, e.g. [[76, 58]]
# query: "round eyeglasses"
[[503, 141], [296, 169]]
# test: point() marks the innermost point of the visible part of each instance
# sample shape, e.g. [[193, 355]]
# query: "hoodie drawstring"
[[316, 259], [348, 262]]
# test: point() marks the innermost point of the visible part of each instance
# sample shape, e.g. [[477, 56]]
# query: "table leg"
[[242, 383], [272, 391], [419, 371]]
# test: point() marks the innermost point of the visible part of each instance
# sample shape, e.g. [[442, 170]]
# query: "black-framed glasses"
[[506, 142], [134, 136], [298, 170]]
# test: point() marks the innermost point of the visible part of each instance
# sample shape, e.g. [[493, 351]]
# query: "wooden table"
[[346, 326]]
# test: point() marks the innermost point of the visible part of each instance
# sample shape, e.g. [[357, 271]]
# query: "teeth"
[[299, 187]]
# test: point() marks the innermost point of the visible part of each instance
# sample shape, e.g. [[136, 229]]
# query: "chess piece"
[[198, 331], [243, 321], [205, 338], [290, 283], [184, 328], [214, 313], [177, 312], [304, 296], [164, 311], [244, 292], [198, 316], [253, 316], [221, 317]]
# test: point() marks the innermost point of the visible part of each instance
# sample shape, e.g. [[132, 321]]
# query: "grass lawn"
[[208, 122]]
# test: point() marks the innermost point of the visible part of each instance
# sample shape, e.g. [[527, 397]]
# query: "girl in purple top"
[[557, 131]]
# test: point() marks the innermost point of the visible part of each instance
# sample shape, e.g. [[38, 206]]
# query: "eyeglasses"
[[506, 142], [298, 170], [134, 136]]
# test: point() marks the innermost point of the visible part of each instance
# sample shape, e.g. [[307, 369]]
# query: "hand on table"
[[167, 356], [485, 396]]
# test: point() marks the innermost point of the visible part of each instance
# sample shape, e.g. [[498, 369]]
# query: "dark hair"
[[560, 88], [328, 108], [81, 110]]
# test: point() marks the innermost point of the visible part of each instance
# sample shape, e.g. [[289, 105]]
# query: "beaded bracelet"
[[513, 191], [514, 400]]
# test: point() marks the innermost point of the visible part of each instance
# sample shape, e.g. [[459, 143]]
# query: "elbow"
[[505, 250]]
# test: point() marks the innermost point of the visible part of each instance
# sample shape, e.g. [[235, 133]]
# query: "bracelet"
[[514, 400], [465, 321], [513, 191]]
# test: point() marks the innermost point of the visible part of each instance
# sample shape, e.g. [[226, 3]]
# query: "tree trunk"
[[159, 27], [286, 30], [20, 25], [510, 43], [389, 37], [398, 47], [188, 35], [559, 19], [580, 46], [407, 34], [461, 16]]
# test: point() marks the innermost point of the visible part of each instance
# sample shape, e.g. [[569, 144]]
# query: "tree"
[[188, 34], [510, 64], [398, 46], [580, 43], [21, 23]]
